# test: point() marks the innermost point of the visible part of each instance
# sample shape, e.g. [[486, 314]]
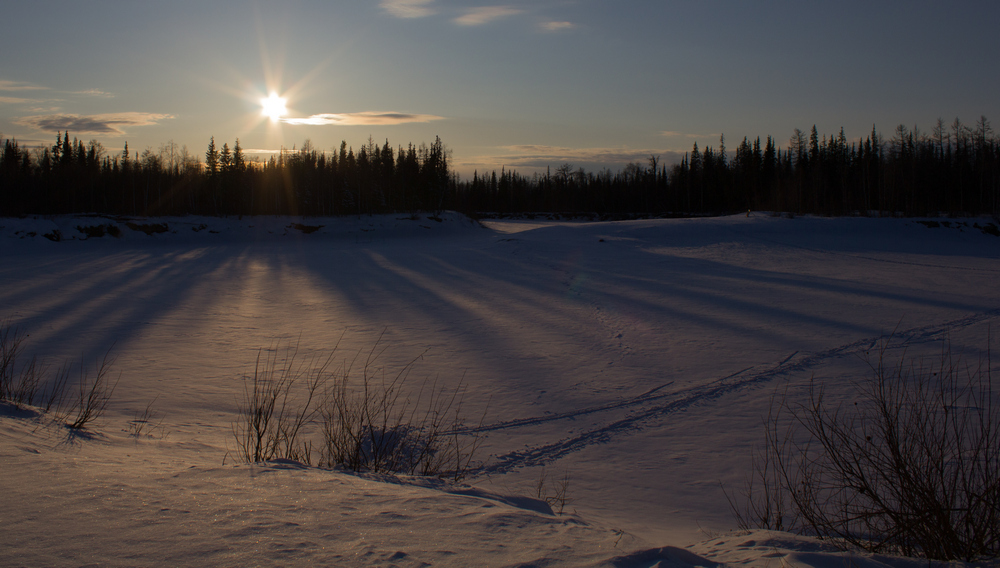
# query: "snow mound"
[[772, 548], [360, 229], [114, 500]]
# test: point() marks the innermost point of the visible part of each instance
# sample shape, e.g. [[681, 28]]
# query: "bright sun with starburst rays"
[[274, 107]]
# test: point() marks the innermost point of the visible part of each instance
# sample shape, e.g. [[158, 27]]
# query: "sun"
[[273, 107]]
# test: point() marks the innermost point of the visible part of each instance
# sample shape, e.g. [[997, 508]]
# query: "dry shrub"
[[555, 495], [18, 386], [368, 418], [92, 394], [764, 502], [912, 467], [274, 411], [76, 403], [146, 422]]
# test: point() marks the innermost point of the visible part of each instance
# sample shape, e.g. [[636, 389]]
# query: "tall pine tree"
[[212, 158]]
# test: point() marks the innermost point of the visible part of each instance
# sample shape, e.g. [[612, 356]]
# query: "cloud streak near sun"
[[557, 26], [367, 118], [112, 123], [534, 156], [485, 15], [30, 93], [19, 86], [466, 17], [674, 134], [532, 152], [407, 8]]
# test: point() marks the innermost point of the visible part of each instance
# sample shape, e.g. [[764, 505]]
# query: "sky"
[[519, 84]]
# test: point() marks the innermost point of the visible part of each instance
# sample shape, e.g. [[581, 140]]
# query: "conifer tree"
[[239, 161], [813, 145], [226, 159], [57, 149], [695, 159], [797, 146], [212, 158], [67, 152]]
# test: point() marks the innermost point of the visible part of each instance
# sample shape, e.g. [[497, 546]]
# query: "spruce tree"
[[695, 159], [212, 158], [813, 145], [239, 161], [797, 146], [67, 152], [226, 159]]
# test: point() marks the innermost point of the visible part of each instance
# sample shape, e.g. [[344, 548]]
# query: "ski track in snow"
[[677, 401]]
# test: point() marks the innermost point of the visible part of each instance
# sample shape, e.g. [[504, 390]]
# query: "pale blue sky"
[[521, 84]]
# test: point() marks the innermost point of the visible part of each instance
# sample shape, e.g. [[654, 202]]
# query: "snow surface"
[[635, 357]]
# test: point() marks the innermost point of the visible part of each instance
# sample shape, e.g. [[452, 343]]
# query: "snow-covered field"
[[637, 358]]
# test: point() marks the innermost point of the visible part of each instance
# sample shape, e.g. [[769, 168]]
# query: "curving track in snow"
[[653, 404]]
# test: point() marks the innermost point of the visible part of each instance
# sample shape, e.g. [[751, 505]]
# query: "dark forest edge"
[[951, 170]]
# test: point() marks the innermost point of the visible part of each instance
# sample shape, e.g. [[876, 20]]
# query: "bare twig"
[[911, 468]]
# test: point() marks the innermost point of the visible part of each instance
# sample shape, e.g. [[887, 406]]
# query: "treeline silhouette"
[[71, 177], [953, 169]]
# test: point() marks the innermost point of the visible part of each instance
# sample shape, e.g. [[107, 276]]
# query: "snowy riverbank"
[[636, 357]]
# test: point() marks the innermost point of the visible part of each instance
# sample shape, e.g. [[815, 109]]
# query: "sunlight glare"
[[273, 107]]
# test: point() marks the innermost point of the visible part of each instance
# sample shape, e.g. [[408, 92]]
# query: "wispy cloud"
[[469, 16], [94, 93], [19, 86], [367, 118], [537, 157], [408, 8], [676, 134], [31, 143], [537, 148], [557, 26], [485, 15], [112, 123], [22, 86], [39, 102], [535, 152]]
